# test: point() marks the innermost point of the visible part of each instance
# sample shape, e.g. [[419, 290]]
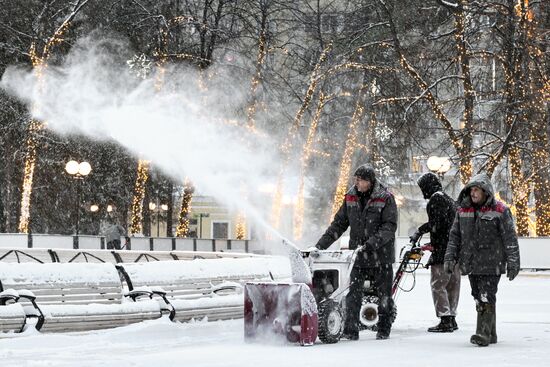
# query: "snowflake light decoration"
[[383, 167], [140, 65], [383, 132]]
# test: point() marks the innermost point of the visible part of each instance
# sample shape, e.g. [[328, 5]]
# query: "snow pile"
[[170, 272], [32, 274]]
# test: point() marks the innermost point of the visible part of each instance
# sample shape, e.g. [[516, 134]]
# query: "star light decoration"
[[140, 65]]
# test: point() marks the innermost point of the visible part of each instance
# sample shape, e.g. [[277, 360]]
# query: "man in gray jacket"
[[112, 236], [484, 243], [370, 211]]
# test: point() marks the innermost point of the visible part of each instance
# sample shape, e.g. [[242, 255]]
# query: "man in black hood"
[[370, 211], [484, 243], [445, 287]]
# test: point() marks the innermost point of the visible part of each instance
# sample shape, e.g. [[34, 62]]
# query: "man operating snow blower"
[[370, 211]]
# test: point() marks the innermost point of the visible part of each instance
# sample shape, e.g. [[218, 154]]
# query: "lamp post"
[[439, 165], [96, 210], [158, 208], [78, 170], [201, 215]]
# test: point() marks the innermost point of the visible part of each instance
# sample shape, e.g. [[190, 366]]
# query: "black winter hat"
[[365, 172], [429, 184]]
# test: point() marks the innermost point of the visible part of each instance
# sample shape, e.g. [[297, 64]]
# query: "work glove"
[[414, 238], [449, 266], [313, 251], [512, 271]]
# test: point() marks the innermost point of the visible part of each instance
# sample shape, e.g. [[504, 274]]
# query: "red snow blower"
[[313, 304]]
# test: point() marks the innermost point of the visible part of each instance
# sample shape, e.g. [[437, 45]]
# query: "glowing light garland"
[[306, 154], [136, 222], [182, 229], [262, 52], [531, 224], [351, 146], [241, 226], [287, 144], [39, 63]]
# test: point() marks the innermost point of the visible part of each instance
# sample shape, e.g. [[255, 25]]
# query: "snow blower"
[[314, 303]]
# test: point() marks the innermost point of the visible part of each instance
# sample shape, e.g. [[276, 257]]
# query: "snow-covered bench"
[[75, 297], [205, 287], [12, 314]]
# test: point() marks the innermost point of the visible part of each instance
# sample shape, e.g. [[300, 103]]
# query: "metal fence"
[[534, 251]]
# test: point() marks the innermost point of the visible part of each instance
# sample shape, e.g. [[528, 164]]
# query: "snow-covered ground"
[[523, 326]]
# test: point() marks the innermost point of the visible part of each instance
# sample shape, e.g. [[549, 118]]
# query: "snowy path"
[[523, 325]]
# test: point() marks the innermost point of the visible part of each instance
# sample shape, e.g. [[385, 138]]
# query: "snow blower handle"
[[312, 251]]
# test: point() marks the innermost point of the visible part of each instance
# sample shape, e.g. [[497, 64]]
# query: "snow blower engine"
[[313, 304]]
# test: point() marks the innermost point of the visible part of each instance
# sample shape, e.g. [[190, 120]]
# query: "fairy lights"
[[531, 224], [306, 154], [351, 146], [241, 226], [136, 221], [39, 63], [287, 144], [251, 111], [182, 229]]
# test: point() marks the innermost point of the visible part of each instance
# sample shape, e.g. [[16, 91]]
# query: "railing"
[[35, 240], [534, 251]]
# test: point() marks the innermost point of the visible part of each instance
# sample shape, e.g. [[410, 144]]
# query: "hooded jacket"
[[441, 210], [374, 226], [483, 239]]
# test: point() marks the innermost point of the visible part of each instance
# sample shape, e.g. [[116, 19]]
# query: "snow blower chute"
[[286, 310]]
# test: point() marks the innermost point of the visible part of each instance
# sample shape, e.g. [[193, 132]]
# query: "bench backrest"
[[23, 255], [73, 283]]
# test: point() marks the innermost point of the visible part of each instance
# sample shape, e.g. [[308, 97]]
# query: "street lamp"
[[159, 208], [439, 165], [78, 170]]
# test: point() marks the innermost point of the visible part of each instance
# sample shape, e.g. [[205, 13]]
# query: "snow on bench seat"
[[205, 287], [12, 315], [72, 297]]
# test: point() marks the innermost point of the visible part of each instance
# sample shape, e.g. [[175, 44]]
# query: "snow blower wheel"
[[331, 322]]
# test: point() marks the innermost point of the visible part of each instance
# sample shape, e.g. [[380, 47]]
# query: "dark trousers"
[[114, 244], [484, 288], [382, 277]]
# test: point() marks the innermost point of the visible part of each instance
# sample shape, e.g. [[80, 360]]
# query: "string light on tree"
[[306, 154], [39, 63], [182, 229], [136, 222], [351, 146], [291, 136], [241, 226]]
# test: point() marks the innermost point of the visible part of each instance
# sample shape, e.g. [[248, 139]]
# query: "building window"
[[220, 230]]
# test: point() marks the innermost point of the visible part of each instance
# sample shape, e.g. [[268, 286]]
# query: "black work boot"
[[453, 322], [384, 328], [444, 326], [350, 332], [493, 339], [350, 335], [485, 312]]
